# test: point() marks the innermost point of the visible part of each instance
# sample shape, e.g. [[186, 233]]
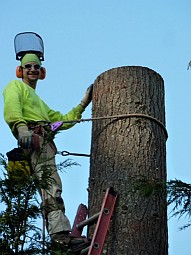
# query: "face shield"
[[28, 42]]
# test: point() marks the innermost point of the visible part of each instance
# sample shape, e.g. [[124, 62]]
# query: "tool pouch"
[[18, 163]]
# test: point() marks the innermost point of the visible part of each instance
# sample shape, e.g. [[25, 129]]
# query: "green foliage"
[[19, 232], [147, 187], [179, 197], [17, 221]]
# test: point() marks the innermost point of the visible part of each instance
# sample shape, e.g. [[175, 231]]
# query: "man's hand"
[[24, 137], [88, 96]]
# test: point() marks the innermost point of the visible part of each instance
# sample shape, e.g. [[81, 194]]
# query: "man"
[[23, 108]]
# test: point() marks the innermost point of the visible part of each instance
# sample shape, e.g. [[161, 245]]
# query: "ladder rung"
[[89, 221]]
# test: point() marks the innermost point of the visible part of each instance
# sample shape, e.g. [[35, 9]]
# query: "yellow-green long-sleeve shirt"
[[22, 105]]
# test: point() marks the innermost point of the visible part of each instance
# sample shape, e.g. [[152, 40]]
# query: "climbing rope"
[[133, 115]]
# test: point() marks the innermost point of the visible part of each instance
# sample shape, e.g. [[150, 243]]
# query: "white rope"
[[135, 115]]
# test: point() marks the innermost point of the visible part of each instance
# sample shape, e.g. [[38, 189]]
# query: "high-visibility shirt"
[[22, 105]]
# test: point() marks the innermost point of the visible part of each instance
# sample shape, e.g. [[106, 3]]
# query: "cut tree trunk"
[[129, 154]]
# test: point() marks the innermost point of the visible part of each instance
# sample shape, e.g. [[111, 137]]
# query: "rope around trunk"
[[133, 115]]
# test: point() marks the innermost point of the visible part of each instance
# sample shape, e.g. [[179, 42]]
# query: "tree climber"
[[23, 108]]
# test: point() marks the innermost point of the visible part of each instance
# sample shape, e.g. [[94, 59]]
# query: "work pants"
[[43, 159]]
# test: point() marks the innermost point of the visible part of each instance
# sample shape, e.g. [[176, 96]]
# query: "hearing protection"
[[19, 72]]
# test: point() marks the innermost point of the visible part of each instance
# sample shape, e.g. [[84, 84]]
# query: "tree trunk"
[[129, 154]]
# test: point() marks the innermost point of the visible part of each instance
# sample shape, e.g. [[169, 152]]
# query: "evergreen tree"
[[19, 232], [179, 197]]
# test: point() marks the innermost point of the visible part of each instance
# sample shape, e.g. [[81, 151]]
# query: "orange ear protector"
[[19, 72], [43, 73]]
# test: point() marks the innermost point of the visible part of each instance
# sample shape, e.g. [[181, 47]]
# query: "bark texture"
[[129, 154]]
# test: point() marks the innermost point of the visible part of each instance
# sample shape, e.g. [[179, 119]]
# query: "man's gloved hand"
[[24, 137], [88, 96]]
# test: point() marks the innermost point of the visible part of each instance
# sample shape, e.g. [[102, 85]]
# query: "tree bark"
[[129, 154]]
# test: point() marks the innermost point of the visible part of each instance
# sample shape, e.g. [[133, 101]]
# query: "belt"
[[40, 124], [47, 125]]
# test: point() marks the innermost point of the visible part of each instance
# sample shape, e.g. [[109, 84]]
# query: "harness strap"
[[38, 130]]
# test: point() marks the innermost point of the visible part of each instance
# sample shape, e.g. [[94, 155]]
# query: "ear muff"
[[19, 72], [43, 73]]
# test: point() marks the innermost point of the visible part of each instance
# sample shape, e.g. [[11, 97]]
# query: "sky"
[[83, 39]]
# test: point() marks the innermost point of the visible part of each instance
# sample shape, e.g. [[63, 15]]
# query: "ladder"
[[102, 219]]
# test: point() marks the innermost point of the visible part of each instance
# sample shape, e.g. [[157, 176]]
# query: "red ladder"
[[102, 218]]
